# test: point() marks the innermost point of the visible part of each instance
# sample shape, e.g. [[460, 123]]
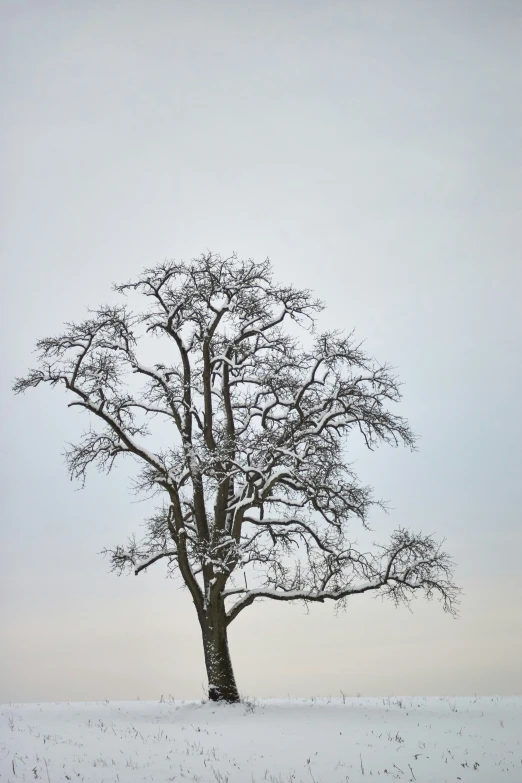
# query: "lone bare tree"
[[252, 474]]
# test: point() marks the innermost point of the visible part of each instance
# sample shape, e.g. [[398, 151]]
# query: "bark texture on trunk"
[[221, 681]]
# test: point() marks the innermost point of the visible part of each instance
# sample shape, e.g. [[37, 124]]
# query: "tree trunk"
[[221, 681]]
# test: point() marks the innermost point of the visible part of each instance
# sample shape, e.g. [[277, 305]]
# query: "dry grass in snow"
[[425, 740]]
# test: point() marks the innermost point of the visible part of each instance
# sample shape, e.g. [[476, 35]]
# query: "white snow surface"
[[356, 739]]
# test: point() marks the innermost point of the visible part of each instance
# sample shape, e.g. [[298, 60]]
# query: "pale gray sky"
[[373, 151]]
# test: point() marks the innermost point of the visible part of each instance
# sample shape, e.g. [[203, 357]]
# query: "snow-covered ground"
[[428, 740]]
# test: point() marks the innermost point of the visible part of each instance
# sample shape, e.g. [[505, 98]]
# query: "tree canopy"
[[253, 478]]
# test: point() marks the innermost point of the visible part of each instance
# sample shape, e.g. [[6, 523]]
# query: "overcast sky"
[[372, 150]]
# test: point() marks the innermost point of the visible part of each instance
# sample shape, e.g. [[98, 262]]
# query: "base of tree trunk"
[[221, 681], [216, 694]]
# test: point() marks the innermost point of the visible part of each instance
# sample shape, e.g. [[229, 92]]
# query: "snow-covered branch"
[[409, 563]]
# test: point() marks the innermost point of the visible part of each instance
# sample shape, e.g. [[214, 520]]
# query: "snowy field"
[[428, 740]]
